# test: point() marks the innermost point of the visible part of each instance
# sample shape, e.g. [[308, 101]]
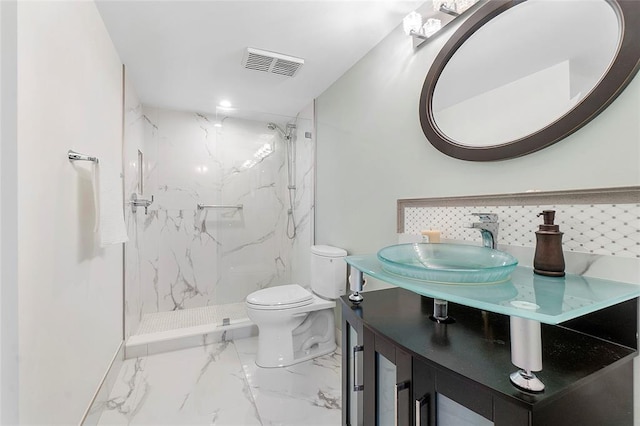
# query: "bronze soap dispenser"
[[549, 259]]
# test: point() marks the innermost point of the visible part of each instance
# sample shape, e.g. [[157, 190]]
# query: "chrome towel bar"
[[219, 206], [76, 156]]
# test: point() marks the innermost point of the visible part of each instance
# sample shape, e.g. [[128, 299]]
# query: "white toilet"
[[294, 324]]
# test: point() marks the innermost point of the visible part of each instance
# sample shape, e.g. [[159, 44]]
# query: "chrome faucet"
[[488, 227]]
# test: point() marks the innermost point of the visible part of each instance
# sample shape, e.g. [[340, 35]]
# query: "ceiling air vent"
[[271, 62]]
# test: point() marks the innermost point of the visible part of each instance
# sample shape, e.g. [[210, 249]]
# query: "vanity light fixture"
[[431, 27], [413, 26], [421, 28], [448, 7], [453, 7]]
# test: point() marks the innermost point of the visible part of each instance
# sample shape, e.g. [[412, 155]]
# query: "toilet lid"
[[281, 296]]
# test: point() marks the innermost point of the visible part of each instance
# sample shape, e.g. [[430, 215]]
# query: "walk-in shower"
[[188, 273], [289, 138]]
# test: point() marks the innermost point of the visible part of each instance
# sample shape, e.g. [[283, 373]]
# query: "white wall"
[[70, 292], [371, 150], [8, 216]]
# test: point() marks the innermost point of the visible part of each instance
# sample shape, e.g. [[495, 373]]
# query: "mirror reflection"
[[524, 69]]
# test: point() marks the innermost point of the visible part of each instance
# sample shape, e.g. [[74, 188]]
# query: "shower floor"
[[174, 330], [218, 315]]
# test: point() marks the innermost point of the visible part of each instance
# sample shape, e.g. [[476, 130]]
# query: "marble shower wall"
[[218, 256], [133, 143]]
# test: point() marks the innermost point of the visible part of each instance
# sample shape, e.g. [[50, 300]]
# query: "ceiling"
[[187, 55]]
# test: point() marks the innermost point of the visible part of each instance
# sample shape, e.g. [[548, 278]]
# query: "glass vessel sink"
[[448, 263]]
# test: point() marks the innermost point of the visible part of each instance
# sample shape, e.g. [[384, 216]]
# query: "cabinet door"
[[352, 369], [387, 394], [461, 401], [424, 391], [444, 399]]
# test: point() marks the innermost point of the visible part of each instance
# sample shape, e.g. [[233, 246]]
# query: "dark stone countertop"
[[477, 345]]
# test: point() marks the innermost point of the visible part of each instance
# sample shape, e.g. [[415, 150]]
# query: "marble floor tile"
[[219, 384], [202, 385], [308, 393]]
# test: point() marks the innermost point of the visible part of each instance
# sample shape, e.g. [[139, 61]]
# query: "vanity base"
[[588, 378], [356, 298], [526, 381]]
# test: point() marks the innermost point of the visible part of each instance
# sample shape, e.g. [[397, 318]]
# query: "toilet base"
[[313, 336], [322, 349], [302, 357]]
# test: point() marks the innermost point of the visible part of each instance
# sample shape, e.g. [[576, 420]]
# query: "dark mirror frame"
[[624, 67]]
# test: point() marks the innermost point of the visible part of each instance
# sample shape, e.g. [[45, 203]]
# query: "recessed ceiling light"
[[225, 104]]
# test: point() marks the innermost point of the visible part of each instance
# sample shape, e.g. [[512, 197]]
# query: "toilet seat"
[[280, 297]]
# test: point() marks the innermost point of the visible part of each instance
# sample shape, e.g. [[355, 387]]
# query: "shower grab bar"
[[76, 156], [219, 206]]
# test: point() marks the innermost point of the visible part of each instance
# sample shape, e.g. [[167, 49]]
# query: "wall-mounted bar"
[[76, 156], [219, 206], [139, 202]]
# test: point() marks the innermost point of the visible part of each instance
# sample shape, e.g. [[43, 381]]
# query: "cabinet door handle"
[[399, 387], [356, 386], [419, 404]]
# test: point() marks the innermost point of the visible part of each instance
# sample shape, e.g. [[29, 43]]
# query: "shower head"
[[287, 134], [274, 126]]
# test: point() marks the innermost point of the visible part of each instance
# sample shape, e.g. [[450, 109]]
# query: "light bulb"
[[412, 23], [431, 27]]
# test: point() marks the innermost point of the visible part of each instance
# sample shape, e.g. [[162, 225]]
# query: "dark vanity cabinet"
[[388, 372], [352, 365], [409, 370]]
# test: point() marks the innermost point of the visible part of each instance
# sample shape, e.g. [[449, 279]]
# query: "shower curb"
[[184, 338]]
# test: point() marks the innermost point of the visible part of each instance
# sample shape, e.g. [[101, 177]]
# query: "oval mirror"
[[518, 76]]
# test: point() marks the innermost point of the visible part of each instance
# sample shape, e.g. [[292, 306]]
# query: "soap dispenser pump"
[[548, 259]]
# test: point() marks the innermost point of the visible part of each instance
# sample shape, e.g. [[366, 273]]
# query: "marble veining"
[[190, 259], [305, 393], [136, 390], [220, 384], [146, 118]]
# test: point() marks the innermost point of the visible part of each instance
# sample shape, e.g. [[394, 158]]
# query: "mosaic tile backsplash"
[[604, 229]]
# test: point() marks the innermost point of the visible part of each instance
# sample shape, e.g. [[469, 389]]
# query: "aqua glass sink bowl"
[[448, 263]]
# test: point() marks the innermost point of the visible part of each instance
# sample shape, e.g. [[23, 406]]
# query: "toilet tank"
[[328, 271]]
